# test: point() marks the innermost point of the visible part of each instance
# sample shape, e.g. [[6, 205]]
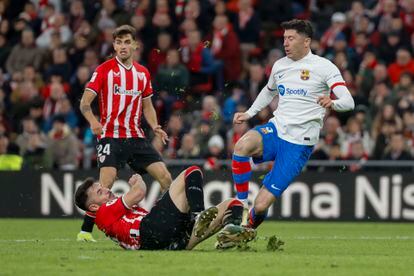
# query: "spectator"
[[199, 60], [63, 147], [23, 54], [203, 133], [354, 132], [60, 65], [66, 111], [215, 153], [173, 76], [9, 161], [231, 103], [225, 45], [189, 149], [331, 134], [247, 27], [403, 63], [175, 131], [396, 149], [358, 153], [59, 28], [256, 81], [110, 15], [338, 25], [106, 48], [77, 15], [211, 113], [158, 55], [32, 145]]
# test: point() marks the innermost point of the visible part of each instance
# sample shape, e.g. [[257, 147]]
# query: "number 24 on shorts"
[[104, 150]]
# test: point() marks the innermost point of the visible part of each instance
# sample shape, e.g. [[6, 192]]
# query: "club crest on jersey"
[[266, 130], [304, 74], [118, 90], [102, 158]]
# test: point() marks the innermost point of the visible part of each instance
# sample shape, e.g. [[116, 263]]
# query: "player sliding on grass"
[[177, 221], [303, 81]]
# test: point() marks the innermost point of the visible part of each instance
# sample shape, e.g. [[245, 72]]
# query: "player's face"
[[296, 45], [98, 195], [124, 47]]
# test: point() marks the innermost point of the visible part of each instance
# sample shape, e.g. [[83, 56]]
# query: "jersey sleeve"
[[332, 76], [272, 82], [95, 84], [110, 212], [148, 88]]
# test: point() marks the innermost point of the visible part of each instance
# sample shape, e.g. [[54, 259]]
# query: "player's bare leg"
[[223, 218], [249, 145], [159, 172], [107, 176], [261, 204], [186, 191]]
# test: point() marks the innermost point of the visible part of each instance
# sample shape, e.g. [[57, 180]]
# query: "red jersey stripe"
[[337, 84]]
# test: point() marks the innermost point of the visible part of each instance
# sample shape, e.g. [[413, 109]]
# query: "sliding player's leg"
[[170, 222], [229, 216]]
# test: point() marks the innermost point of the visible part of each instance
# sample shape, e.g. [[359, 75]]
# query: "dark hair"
[[81, 196], [124, 30], [301, 26]]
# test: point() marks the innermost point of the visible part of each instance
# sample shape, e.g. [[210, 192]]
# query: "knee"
[[248, 145], [193, 169], [242, 147]]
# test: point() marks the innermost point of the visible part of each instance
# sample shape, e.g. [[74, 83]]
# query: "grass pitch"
[[48, 247]]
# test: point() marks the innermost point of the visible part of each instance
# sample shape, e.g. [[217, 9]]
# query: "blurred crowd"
[[208, 59]]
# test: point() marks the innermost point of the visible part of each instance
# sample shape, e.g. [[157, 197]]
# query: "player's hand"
[[135, 179], [325, 101], [240, 117], [161, 134], [96, 128]]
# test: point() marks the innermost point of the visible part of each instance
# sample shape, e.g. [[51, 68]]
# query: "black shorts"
[[138, 153], [165, 227]]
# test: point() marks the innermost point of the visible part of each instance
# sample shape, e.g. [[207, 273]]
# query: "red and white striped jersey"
[[121, 91], [121, 223]]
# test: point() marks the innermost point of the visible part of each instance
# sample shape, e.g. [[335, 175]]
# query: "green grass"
[[47, 247]]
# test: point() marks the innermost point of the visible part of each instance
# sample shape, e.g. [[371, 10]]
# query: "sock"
[[256, 219], [242, 173], [234, 213], [88, 222], [194, 189]]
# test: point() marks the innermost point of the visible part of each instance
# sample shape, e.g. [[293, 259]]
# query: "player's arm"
[[136, 193], [151, 117], [336, 83], [86, 109], [344, 101]]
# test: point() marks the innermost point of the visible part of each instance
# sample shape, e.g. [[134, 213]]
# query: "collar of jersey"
[[308, 55], [123, 65]]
